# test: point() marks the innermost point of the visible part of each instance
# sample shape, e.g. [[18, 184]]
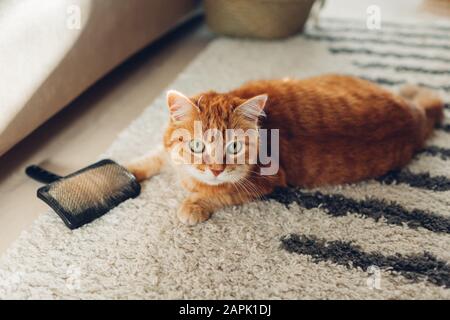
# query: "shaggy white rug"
[[386, 238]]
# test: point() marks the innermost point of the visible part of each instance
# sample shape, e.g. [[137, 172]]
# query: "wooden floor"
[[78, 135]]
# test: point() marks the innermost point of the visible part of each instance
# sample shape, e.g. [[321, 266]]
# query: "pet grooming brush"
[[87, 194]]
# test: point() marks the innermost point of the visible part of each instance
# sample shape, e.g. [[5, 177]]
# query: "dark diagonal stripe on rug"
[[436, 151], [393, 82], [444, 127], [419, 267], [417, 180], [335, 39], [400, 68], [386, 54], [394, 33], [338, 205], [350, 22]]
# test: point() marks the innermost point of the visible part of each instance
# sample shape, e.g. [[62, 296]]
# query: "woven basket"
[[267, 19]]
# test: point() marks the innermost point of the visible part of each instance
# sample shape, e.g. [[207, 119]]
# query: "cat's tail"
[[427, 100]]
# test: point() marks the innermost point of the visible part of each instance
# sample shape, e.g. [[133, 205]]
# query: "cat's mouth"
[[209, 178], [213, 181]]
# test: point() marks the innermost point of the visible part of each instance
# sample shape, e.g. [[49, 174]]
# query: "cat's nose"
[[216, 172]]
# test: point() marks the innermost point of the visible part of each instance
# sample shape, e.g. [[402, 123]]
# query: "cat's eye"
[[234, 147], [196, 146]]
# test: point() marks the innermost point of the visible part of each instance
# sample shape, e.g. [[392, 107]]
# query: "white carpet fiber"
[[378, 239]]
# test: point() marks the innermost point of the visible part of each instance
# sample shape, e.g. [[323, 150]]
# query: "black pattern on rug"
[[416, 180], [337, 205], [400, 68], [341, 31], [386, 54], [442, 153], [418, 267], [334, 39], [444, 127], [400, 34], [394, 82], [395, 25]]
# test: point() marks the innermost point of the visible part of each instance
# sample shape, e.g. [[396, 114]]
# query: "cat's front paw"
[[137, 171], [191, 213]]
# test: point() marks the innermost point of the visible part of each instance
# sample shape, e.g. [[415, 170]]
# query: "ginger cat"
[[333, 129]]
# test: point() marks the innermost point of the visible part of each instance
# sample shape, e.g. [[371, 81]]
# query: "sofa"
[[52, 51]]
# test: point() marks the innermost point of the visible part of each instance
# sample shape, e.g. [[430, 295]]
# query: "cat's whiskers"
[[252, 187], [240, 191], [239, 188], [236, 182], [247, 191]]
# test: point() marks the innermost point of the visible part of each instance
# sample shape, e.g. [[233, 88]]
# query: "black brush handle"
[[39, 174]]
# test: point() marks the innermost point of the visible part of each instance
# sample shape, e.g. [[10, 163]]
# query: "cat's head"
[[212, 136]]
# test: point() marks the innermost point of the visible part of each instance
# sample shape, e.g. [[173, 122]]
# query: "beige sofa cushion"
[[47, 61]]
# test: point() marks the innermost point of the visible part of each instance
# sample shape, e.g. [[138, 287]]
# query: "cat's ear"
[[253, 108], [181, 107]]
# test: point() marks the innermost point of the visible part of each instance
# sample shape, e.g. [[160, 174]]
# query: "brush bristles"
[[96, 188]]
